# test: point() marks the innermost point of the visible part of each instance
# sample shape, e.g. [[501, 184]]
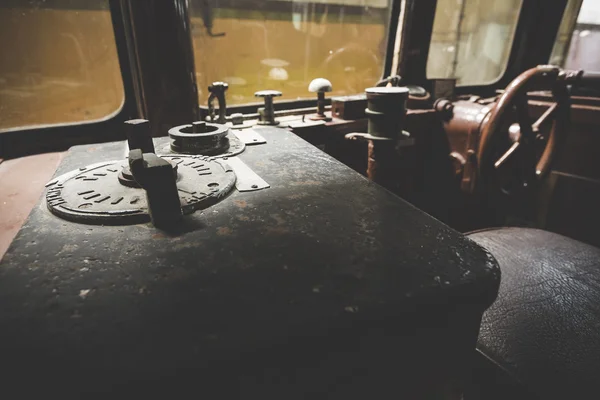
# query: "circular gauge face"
[[97, 195]]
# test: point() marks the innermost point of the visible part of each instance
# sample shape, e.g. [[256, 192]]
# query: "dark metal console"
[[323, 285]]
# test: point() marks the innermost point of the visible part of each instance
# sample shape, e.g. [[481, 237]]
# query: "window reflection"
[[471, 39], [58, 62], [577, 44], [284, 44]]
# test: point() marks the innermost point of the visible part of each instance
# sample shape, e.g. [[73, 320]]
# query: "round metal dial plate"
[[94, 195]]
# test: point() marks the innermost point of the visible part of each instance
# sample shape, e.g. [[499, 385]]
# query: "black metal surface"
[[416, 40], [160, 44], [324, 285], [349, 107], [100, 194]]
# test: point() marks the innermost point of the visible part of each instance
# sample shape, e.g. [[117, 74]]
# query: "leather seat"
[[544, 328]]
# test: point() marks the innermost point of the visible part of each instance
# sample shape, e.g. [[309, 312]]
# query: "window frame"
[[290, 104], [21, 141], [27, 140], [533, 14]]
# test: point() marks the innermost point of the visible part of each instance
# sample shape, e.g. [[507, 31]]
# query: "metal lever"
[[139, 135], [267, 113], [320, 86], [155, 175], [217, 91]]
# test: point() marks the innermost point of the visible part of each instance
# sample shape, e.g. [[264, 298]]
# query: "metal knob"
[[320, 86], [139, 135], [155, 175], [267, 113], [217, 91]]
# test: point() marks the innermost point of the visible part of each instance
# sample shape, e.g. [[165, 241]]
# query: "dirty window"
[[472, 39], [58, 62], [255, 44], [577, 44]]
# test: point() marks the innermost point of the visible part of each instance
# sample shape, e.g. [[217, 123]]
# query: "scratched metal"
[[301, 286], [93, 194]]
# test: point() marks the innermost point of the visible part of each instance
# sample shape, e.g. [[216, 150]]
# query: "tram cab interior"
[[300, 198]]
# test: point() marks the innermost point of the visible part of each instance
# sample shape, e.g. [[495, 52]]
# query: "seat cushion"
[[544, 328]]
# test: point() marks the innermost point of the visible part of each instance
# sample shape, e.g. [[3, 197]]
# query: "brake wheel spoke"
[[508, 155], [546, 117]]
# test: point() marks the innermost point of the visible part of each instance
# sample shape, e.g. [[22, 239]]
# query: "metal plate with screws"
[[249, 136], [94, 195], [247, 180]]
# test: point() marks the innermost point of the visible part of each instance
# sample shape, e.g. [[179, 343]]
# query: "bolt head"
[[267, 93]]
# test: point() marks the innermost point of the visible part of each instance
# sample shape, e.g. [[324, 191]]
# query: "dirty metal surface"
[[93, 194], [321, 253]]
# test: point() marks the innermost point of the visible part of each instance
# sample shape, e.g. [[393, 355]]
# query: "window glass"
[[472, 39], [256, 44], [578, 42], [58, 62]]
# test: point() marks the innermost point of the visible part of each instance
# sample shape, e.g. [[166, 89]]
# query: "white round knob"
[[320, 85]]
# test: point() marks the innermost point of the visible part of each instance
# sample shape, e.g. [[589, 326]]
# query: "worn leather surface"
[[544, 328]]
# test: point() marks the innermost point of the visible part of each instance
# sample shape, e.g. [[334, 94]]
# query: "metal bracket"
[[247, 179], [249, 136]]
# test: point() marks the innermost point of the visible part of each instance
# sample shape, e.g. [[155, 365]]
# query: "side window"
[[58, 63], [472, 39], [284, 44], [578, 42]]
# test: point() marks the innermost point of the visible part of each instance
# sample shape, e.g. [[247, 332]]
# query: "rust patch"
[[296, 196], [278, 219], [243, 218], [277, 230], [241, 203], [223, 231], [158, 236]]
